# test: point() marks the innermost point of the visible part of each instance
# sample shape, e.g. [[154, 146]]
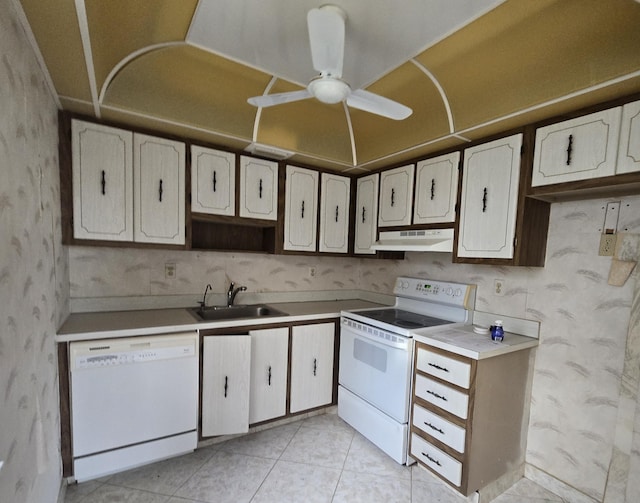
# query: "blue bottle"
[[497, 332]]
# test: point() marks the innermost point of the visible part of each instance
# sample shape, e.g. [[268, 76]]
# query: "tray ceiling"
[[466, 68]]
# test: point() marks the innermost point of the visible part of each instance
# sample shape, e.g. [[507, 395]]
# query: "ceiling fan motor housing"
[[329, 90]]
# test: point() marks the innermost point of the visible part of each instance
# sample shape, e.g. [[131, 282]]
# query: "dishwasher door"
[[132, 393]]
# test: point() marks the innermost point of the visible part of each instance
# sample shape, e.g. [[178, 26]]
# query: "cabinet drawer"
[[443, 396], [445, 431], [438, 461], [447, 369]]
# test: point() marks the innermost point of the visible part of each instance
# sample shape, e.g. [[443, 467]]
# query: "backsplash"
[[584, 320]]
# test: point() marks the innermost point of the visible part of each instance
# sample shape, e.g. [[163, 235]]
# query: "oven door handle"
[[402, 344]]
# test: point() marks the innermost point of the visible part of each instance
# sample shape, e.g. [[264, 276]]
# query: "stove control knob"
[[458, 292], [449, 291]]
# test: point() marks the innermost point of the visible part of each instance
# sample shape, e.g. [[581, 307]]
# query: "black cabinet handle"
[[160, 191], [444, 398], [363, 213], [393, 196], [260, 189], [431, 459], [315, 366], [435, 428], [269, 376], [569, 149], [226, 385], [337, 213], [438, 367], [302, 210], [215, 182], [103, 182], [433, 188], [484, 200]]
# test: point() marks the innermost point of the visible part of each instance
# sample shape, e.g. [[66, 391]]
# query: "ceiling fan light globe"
[[329, 90]]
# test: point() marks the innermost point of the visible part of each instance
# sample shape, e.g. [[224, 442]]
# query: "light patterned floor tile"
[[295, 482], [226, 477], [364, 487], [527, 491], [365, 457], [327, 422], [108, 493], [264, 444], [76, 492], [326, 448]]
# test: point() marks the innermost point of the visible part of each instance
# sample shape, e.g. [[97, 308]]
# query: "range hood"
[[433, 240]]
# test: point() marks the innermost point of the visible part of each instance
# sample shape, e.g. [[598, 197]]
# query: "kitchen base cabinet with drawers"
[[469, 417]]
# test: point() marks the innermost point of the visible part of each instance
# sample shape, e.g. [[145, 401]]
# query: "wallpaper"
[[584, 321], [33, 272]]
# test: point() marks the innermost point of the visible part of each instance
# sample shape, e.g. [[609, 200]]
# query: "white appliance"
[[376, 357], [133, 401]]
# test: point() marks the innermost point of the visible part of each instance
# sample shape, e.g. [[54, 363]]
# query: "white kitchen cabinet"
[[258, 188], [102, 182], [226, 361], [396, 194], [213, 181], [436, 189], [312, 355], [301, 209], [629, 146], [159, 187], [334, 213], [489, 200], [366, 214], [577, 149], [269, 358]]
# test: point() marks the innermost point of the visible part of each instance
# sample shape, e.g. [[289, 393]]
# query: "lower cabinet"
[[312, 360], [226, 361], [269, 357], [468, 417]]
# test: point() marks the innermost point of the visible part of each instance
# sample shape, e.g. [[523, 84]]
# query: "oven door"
[[376, 367]]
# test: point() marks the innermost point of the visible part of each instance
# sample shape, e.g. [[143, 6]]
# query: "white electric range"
[[376, 357]]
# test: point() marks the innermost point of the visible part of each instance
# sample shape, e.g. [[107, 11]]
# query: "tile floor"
[[319, 459]]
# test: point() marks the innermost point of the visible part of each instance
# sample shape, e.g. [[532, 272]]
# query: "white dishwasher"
[[133, 401]]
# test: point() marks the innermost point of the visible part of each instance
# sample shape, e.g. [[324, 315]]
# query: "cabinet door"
[[577, 149], [311, 366], [436, 189], [159, 166], [366, 214], [102, 182], [258, 188], [225, 384], [396, 192], [301, 209], [334, 213], [269, 356], [213, 181], [629, 150], [488, 210]]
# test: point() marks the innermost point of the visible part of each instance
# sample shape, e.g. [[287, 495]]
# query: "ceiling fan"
[[326, 36]]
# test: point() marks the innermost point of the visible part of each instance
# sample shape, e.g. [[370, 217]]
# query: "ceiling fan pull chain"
[[260, 189], [433, 188], [393, 196], [160, 191], [214, 180], [484, 200], [103, 182], [569, 149]]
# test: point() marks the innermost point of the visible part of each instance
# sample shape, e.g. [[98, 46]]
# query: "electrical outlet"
[[607, 245], [169, 270], [312, 271], [498, 287]]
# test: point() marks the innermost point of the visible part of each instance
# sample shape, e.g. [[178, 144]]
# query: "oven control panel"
[[458, 294]]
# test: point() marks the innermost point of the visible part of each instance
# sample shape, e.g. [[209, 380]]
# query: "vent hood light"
[[268, 151], [434, 240]]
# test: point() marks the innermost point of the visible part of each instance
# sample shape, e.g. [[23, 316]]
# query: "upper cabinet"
[[213, 181], [258, 188], [102, 182], [396, 189], [127, 186], [436, 189], [158, 179], [489, 199], [301, 209], [629, 149], [577, 149], [366, 214], [334, 213]]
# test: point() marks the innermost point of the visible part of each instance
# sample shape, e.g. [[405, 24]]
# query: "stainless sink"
[[218, 313]]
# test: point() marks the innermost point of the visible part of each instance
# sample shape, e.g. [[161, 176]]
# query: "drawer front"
[[445, 368], [443, 396], [445, 431], [438, 461]]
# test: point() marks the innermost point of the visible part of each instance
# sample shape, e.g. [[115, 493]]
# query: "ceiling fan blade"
[[268, 100], [379, 105], [326, 37]]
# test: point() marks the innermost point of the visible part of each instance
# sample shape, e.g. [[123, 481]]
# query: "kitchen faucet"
[[232, 292], [203, 302]]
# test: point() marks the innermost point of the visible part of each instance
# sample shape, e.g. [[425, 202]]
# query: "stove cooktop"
[[403, 319]]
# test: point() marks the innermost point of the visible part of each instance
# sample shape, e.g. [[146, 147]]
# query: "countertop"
[[113, 324], [464, 341]]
